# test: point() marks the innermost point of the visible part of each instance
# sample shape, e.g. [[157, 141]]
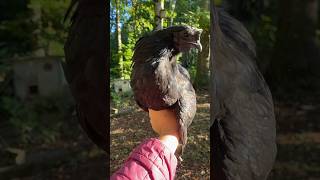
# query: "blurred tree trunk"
[[119, 41], [40, 49], [172, 6], [202, 66], [296, 61], [134, 17], [159, 13], [202, 74]]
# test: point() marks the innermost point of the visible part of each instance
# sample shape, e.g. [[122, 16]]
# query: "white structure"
[[35, 76], [121, 85]]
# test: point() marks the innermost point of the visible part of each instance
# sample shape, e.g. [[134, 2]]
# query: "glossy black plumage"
[[243, 130], [85, 68], [158, 82]]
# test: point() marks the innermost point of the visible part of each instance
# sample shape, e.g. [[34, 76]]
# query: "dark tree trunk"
[[296, 61]]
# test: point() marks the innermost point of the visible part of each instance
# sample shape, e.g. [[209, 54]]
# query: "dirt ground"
[[73, 157], [128, 129], [298, 138]]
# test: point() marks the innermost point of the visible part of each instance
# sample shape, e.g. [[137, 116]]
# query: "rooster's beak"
[[198, 45]]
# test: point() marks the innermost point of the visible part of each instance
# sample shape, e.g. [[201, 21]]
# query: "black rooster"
[[86, 68], [158, 82], [243, 131]]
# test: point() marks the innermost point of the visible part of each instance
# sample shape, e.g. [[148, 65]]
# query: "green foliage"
[[263, 27], [115, 98], [190, 13], [53, 30], [120, 100], [15, 29], [18, 31], [21, 33], [265, 33], [127, 54], [192, 71], [38, 121], [204, 20], [137, 19]]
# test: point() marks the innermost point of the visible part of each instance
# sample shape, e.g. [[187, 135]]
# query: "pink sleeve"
[[150, 160]]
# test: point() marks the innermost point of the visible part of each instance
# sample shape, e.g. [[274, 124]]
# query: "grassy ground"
[[298, 138]]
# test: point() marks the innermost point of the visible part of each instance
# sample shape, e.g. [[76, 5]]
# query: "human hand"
[[164, 123]]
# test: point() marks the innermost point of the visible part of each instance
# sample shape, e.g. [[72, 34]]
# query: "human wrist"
[[170, 140]]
